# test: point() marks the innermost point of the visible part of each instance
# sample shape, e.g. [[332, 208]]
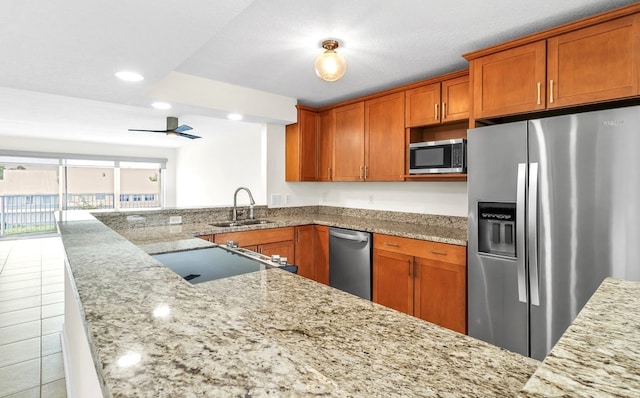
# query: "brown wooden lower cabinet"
[[208, 237], [321, 253], [304, 251], [420, 278], [441, 293], [312, 252], [265, 241], [283, 249], [393, 280]]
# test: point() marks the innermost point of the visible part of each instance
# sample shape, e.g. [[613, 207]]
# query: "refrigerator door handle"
[[532, 223], [520, 240]]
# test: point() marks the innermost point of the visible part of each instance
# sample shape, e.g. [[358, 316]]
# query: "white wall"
[[445, 198], [88, 148], [229, 155], [299, 193], [207, 171]]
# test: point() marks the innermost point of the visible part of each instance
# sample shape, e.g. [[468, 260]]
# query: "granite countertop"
[[435, 233], [599, 354], [263, 333]]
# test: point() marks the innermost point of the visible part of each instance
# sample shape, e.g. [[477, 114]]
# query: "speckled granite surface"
[[599, 354], [264, 333], [437, 232]]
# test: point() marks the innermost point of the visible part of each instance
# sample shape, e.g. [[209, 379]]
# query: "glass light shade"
[[330, 66]]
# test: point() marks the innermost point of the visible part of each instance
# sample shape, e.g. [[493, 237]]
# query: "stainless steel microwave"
[[434, 157]]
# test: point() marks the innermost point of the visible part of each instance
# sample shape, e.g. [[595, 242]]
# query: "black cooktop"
[[203, 265]]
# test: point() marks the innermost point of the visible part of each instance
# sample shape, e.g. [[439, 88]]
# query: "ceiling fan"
[[173, 129]]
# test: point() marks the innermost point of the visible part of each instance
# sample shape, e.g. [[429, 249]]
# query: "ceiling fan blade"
[[182, 128], [190, 136], [150, 131]]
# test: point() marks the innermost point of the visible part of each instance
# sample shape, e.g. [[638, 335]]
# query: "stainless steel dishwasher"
[[350, 261]]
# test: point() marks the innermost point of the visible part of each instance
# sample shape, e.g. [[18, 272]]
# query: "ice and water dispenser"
[[497, 228]]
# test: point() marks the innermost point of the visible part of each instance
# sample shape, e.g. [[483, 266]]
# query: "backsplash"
[[430, 219], [151, 218]]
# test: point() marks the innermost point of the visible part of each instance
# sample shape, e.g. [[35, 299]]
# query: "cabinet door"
[[321, 253], [594, 64], [456, 99], [393, 280], [510, 82], [284, 249], [301, 147], [209, 237], [384, 138], [256, 237], [325, 145], [348, 152], [422, 105], [440, 295], [304, 244]]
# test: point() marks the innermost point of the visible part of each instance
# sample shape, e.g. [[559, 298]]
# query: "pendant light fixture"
[[330, 66]]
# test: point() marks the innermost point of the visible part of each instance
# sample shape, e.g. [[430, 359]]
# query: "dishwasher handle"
[[358, 238]]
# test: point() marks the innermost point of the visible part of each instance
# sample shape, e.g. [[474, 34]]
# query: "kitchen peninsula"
[[263, 333]]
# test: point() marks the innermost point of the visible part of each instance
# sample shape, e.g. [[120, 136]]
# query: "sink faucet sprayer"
[[235, 203]]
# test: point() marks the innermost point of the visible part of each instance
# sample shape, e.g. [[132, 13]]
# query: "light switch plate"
[[175, 220], [276, 198]]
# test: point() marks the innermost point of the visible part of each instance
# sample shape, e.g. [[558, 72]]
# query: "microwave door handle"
[[520, 239]]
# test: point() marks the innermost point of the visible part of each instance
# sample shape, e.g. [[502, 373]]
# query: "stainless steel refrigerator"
[[554, 208]]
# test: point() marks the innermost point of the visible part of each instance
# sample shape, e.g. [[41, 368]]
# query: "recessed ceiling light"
[[234, 116], [161, 105], [129, 76]]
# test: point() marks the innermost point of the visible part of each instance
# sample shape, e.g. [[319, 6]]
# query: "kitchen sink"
[[240, 223]]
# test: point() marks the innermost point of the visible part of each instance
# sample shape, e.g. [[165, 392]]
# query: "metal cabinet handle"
[[435, 111], [444, 110], [538, 93], [551, 91], [366, 168], [440, 253], [391, 244], [520, 219], [360, 173]]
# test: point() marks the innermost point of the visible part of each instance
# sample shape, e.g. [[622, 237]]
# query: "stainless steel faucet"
[[235, 203]]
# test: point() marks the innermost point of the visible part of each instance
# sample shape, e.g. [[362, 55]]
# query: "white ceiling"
[[72, 48]]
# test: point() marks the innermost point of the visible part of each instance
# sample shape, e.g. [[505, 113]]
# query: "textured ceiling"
[[73, 47]]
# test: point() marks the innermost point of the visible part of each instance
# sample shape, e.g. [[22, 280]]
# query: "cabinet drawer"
[[420, 248], [257, 237]]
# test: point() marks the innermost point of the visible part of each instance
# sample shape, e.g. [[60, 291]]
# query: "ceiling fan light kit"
[[173, 129], [329, 65]]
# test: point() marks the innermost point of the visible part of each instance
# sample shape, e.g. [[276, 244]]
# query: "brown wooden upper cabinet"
[[326, 124], [384, 138], [301, 147], [369, 142], [595, 63], [437, 103], [348, 142]]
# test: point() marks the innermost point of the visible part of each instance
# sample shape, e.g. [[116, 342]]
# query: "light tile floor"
[[31, 317]]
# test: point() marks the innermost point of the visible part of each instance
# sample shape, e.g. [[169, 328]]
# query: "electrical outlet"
[[276, 198], [287, 199], [371, 200], [175, 220]]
